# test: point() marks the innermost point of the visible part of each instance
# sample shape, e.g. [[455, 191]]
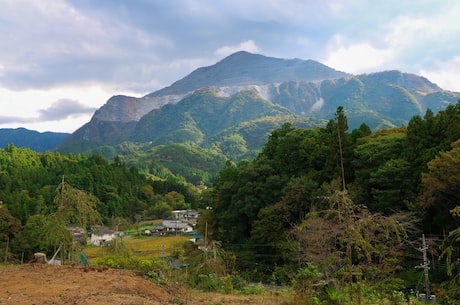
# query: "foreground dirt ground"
[[47, 284]]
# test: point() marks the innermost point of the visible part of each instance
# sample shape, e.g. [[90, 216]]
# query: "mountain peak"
[[242, 56], [243, 68]]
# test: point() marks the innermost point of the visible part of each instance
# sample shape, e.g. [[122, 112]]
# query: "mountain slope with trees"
[[360, 200], [212, 105], [48, 192]]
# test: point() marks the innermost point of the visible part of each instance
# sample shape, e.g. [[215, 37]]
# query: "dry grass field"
[[144, 247]]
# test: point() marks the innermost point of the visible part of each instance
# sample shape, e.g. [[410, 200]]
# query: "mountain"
[[34, 140], [243, 68], [229, 108], [116, 120]]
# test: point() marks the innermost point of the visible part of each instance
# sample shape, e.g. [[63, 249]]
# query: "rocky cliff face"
[[121, 108]]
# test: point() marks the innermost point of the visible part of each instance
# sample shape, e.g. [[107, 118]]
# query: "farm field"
[[143, 247]]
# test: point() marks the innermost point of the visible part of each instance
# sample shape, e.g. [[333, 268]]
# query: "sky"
[[61, 60]]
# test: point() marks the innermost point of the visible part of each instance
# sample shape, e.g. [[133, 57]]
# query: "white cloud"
[[86, 51], [50, 42], [63, 109], [355, 57], [38, 109], [248, 45], [292, 12], [407, 32], [445, 74]]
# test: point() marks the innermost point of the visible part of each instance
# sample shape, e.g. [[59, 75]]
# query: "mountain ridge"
[[227, 110], [238, 69], [232, 71], [38, 141], [237, 72]]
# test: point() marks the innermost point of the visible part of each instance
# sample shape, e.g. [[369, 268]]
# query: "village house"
[[177, 226], [101, 236], [186, 215], [192, 216], [161, 230], [178, 214]]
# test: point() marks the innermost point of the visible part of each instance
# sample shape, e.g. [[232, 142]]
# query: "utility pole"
[[206, 243], [341, 158], [426, 266]]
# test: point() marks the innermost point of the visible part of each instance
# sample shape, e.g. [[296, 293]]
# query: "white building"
[[177, 226], [101, 235]]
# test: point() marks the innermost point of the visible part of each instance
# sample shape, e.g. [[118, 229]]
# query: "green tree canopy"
[[76, 207], [441, 189]]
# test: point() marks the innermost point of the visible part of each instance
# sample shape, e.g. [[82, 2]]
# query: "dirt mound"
[[47, 284], [42, 284]]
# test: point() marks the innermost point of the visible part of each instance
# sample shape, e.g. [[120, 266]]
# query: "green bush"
[[155, 277], [209, 282], [258, 289], [131, 263]]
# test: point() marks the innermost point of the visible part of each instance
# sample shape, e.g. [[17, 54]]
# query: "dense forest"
[[347, 204], [41, 189], [319, 205]]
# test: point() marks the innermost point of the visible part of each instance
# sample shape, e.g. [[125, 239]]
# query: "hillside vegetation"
[[336, 216]]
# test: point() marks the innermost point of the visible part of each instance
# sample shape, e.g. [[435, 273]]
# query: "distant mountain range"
[[37, 141], [229, 108]]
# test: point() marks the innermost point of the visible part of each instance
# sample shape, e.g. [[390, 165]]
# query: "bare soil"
[[40, 284]]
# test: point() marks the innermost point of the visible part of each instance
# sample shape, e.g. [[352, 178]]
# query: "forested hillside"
[[344, 203], [336, 214], [41, 192]]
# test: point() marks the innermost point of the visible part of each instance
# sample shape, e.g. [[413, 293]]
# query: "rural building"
[[161, 230], [186, 215], [192, 216], [102, 235], [177, 226]]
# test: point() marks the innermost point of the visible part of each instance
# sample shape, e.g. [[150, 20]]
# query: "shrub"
[[131, 263], [258, 289]]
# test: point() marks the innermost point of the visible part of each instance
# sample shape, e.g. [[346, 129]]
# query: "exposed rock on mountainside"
[[121, 108]]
